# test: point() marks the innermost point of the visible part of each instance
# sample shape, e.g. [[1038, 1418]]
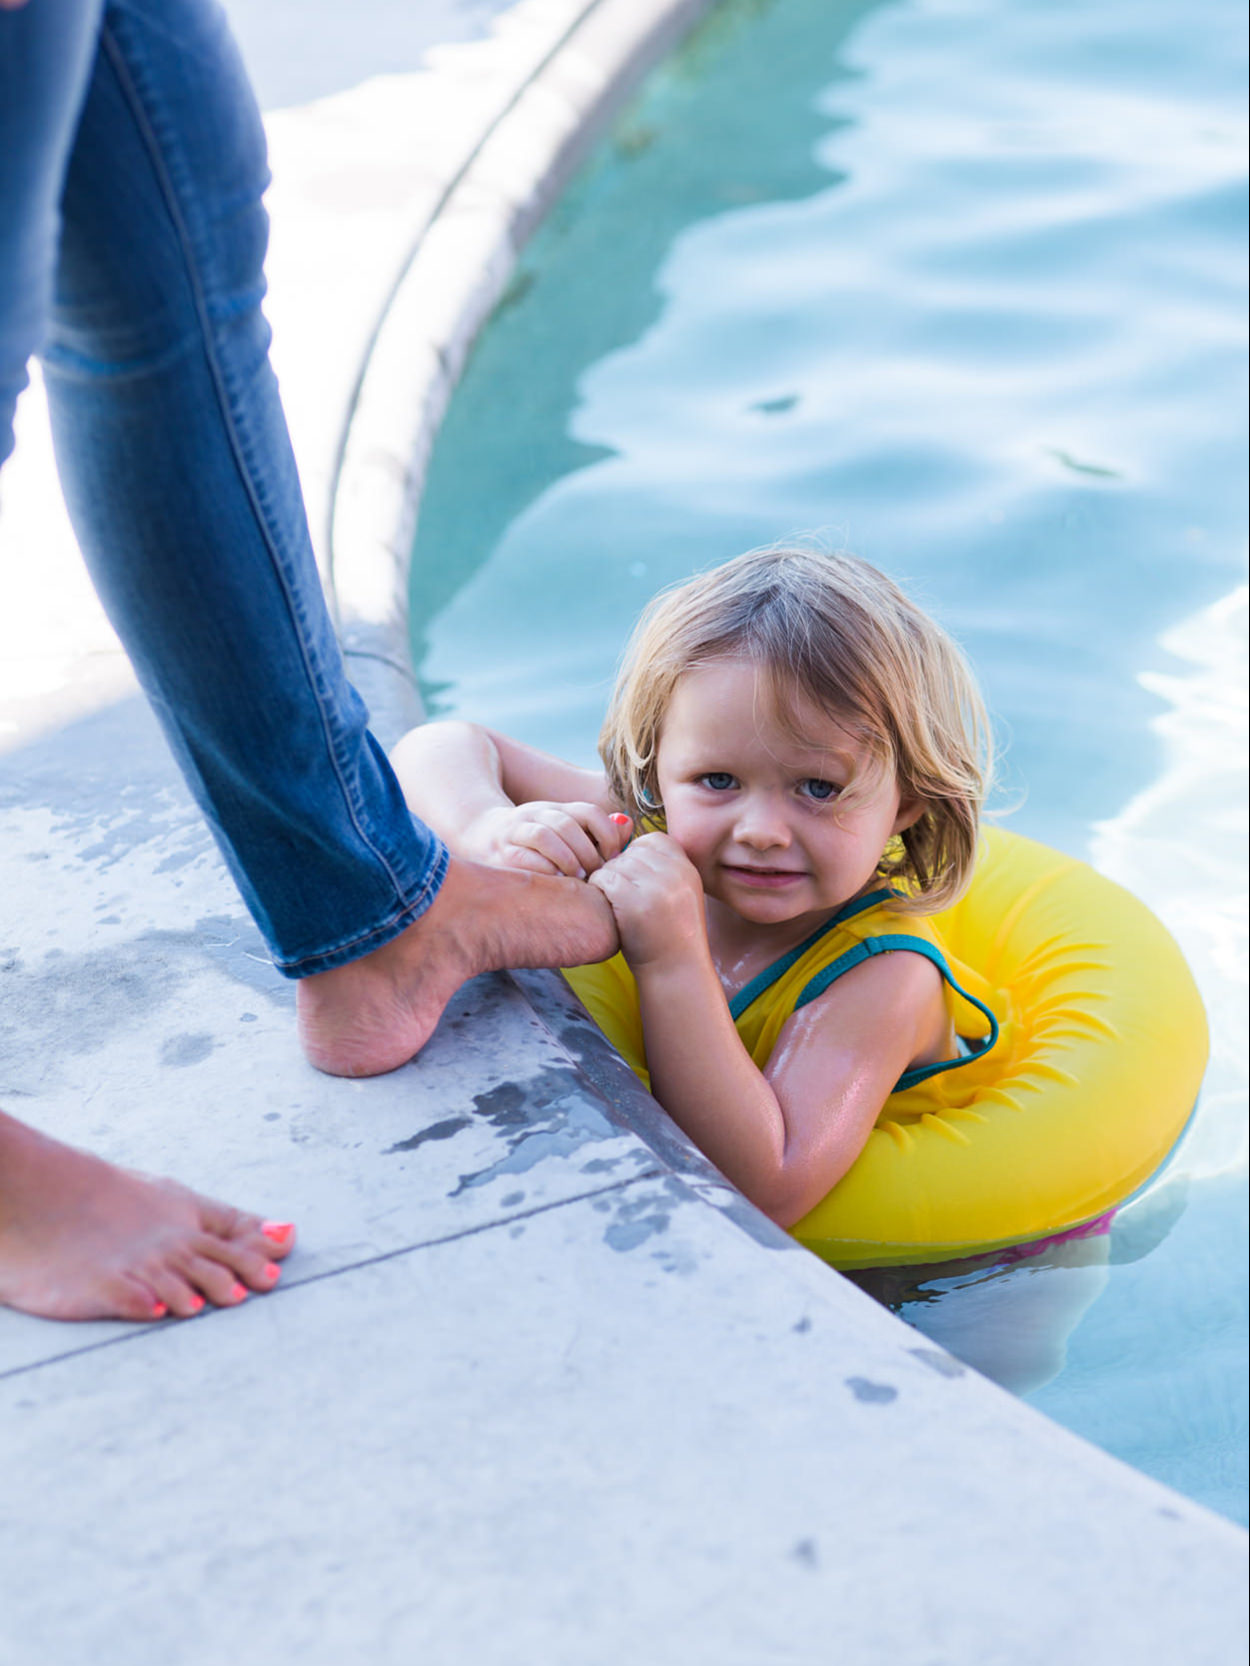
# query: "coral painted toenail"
[[159, 1310], [619, 819], [237, 1293], [197, 1304], [278, 1231], [271, 1271]]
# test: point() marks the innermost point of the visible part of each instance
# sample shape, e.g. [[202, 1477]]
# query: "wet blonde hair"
[[833, 631]]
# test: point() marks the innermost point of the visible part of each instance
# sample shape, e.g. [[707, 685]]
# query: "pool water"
[[957, 285]]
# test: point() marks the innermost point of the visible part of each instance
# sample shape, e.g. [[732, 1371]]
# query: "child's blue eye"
[[820, 789], [718, 779]]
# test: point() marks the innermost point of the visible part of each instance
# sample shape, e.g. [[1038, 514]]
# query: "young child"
[[802, 755]]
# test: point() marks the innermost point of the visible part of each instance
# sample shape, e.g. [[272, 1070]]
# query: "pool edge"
[[462, 258]]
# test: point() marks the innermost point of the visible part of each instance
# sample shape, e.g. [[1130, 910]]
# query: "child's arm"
[[787, 1135], [497, 801]]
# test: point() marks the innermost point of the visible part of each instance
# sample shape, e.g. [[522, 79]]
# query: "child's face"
[[756, 811]]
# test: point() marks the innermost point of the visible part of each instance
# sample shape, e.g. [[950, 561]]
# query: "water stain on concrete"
[[234, 944], [77, 1003], [946, 1365], [504, 1106], [144, 817], [194, 845], [181, 1050], [682, 1261], [444, 1130], [870, 1393], [550, 1115], [637, 1219]]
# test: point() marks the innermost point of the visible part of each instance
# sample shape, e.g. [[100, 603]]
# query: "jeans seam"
[[416, 908], [238, 449]]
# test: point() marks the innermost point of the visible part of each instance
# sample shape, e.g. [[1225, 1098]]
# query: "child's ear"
[[910, 811]]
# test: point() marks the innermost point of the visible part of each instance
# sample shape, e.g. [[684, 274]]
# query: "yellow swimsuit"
[[865, 927]]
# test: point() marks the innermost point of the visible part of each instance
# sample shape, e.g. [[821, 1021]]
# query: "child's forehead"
[[750, 701]]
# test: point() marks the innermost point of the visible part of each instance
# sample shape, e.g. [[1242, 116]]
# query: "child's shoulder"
[[871, 934]]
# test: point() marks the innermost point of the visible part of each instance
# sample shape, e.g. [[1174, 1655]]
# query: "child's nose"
[[761, 824]]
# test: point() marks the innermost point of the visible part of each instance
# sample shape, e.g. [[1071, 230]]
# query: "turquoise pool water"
[[958, 286]]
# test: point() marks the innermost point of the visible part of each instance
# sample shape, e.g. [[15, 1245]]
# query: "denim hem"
[[342, 954]]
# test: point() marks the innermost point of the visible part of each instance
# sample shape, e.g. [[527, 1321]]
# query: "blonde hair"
[[831, 630]]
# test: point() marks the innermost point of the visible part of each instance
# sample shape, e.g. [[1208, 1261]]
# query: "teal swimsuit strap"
[[871, 946], [751, 992]]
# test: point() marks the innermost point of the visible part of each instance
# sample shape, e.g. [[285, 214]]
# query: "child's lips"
[[768, 878]]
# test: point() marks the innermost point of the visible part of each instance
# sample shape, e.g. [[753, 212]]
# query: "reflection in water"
[[1010, 1323]]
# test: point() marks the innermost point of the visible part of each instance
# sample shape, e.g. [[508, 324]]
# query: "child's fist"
[[656, 898]]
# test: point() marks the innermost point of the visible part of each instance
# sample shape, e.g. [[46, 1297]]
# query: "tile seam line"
[[163, 1327], [422, 229]]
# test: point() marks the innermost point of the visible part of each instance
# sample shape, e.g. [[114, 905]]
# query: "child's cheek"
[[692, 848], [685, 829]]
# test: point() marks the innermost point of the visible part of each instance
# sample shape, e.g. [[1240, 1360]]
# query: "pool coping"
[[463, 258], [583, 59]]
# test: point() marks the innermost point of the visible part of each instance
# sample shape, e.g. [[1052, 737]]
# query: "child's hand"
[[546, 837], [657, 900]]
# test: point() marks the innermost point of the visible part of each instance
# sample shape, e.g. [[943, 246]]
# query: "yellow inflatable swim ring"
[[1100, 1051]]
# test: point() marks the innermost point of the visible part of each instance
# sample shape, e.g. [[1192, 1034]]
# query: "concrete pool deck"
[[536, 1386]]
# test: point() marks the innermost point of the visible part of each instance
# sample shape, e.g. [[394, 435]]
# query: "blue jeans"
[[132, 241]]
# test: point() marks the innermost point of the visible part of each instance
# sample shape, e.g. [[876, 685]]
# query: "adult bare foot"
[[80, 1239], [375, 1013]]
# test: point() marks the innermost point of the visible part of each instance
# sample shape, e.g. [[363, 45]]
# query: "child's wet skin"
[[81, 1239]]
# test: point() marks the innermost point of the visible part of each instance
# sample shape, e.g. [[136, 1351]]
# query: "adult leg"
[[179, 476], [184, 493], [80, 1239], [41, 93]]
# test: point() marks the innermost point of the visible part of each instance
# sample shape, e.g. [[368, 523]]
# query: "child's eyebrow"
[[810, 757]]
